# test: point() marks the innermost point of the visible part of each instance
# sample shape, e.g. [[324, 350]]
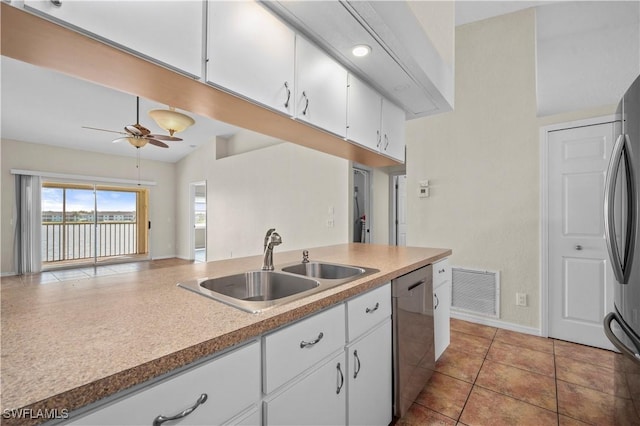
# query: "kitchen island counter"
[[71, 343]]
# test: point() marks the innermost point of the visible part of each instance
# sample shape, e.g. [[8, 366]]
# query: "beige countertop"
[[70, 343]]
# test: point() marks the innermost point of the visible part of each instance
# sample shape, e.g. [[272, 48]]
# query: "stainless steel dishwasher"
[[413, 345]]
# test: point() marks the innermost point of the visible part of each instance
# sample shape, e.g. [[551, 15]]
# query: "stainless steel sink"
[[328, 271], [252, 291], [255, 291]]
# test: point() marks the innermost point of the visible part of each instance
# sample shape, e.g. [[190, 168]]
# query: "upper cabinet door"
[[393, 131], [321, 89], [167, 32], [363, 114], [250, 52]]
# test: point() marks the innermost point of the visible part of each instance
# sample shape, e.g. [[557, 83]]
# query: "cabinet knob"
[[56, 3], [437, 301]]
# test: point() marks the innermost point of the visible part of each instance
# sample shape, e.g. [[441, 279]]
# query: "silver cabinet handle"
[[57, 3], [286, 86], [304, 344], [441, 271], [306, 106], [356, 359], [578, 247], [340, 379], [372, 310], [161, 419], [437, 301], [379, 139], [386, 140]]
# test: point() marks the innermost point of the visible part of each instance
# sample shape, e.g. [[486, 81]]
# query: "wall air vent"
[[475, 291]]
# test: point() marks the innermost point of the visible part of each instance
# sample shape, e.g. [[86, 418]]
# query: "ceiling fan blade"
[[103, 130], [157, 143], [120, 140], [137, 130], [165, 138]]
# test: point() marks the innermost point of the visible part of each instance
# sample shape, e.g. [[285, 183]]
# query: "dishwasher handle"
[[419, 283]]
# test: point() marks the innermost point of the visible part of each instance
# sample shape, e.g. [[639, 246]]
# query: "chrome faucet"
[[271, 240]]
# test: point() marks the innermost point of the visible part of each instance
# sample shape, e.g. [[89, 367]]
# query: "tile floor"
[[58, 275], [490, 376]]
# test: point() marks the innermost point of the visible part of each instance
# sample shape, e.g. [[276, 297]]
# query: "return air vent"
[[476, 291]]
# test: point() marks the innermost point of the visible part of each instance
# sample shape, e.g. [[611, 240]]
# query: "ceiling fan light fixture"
[[171, 120], [137, 142]]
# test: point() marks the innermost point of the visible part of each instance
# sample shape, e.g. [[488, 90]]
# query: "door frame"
[[368, 201], [393, 205], [544, 208], [192, 218]]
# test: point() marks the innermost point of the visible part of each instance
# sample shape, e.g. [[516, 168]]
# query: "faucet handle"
[[305, 256]]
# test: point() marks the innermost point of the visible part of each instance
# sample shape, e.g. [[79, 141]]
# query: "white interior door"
[[580, 276]]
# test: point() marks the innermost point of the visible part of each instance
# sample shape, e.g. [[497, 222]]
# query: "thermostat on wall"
[[423, 189]]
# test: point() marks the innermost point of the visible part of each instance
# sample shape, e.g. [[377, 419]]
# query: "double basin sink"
[[255, 291]]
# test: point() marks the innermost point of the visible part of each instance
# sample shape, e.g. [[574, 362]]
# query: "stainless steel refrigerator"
[[621, 213]]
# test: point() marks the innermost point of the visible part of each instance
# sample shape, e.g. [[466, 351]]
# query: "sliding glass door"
[[91, 223]]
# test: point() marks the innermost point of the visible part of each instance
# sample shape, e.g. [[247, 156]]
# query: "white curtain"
[[28, 251]]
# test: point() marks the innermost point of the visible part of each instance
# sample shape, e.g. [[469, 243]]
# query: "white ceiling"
[[471, 11], [47, 107]]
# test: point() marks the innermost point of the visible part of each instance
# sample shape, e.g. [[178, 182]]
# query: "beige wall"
[[283, 186], [483, 162], [28, 156]]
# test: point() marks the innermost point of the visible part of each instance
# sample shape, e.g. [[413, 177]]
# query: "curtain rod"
[[81, 177]]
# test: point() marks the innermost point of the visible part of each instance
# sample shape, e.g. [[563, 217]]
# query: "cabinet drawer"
[[318, 398], [290, 351], [441, 272], [231, 382], [367, 310]]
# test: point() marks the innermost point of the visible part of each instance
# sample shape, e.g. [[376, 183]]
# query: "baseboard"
[[495, 323], [7, 274], [170, 256]]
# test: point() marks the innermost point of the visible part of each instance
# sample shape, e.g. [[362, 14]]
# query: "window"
[[92, 222]]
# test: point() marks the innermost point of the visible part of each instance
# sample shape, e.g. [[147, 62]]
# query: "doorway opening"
[[398, 225], [198, 191], [361, 219]]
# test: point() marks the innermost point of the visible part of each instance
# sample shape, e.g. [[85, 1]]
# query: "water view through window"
[[89, 222]]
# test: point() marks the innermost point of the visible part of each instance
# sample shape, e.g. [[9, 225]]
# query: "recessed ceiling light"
[[361, 50]]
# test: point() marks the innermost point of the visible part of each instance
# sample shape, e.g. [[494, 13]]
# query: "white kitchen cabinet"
[[250, 52], [167, 32], [321, 89], [393, 133], [295, 348], [369, 358], [373, 121], [318, 398], [231, 382], [370, 380], [364, 111], [441, 305]]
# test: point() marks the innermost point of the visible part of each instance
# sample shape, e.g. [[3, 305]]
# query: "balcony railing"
[[71, 241]]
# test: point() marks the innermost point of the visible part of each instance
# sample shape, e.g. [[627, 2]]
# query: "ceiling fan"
[[138, 135]]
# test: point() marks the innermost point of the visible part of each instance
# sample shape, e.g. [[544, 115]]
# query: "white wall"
[[284, 186], [28, 156]]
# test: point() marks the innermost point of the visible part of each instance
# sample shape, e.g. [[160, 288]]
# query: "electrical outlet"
[[521, 299]]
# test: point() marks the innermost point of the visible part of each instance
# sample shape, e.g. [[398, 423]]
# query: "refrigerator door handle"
[[613, 316], [621, 267]]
